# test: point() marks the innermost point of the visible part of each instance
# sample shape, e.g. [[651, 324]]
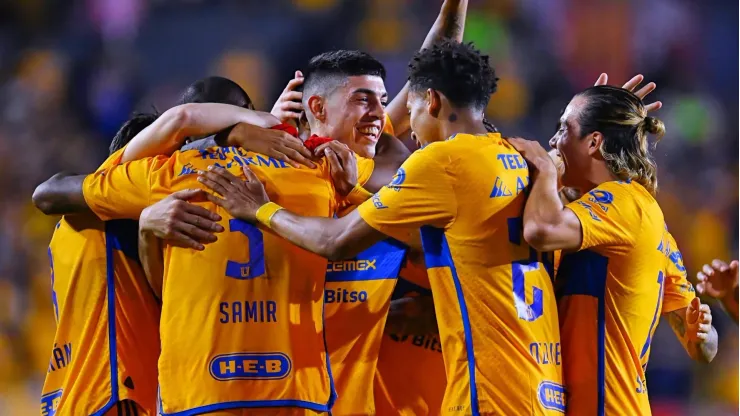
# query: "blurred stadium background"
[[72, 71]]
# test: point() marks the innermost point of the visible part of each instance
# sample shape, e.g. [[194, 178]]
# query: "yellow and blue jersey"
[[611, 294], [410, 378], [242, 321], [107, 339], [356, 301], [493, 294]]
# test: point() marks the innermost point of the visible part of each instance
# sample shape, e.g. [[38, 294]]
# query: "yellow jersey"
[[410, 378], [356, 301], [610, 296], [493, 294], [242, 321], [107, 339]]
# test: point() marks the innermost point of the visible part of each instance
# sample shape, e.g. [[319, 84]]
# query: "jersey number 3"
[[255, 267], [519, 269]]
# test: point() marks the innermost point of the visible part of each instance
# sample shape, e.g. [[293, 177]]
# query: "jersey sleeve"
[[113, 160], [388, 128], [421, 193], [608, 216], [365, 169], [678, 292], [122, 191]]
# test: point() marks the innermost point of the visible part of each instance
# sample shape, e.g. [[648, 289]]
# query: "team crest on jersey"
[[398, 179], [601, 199], [551, 396]]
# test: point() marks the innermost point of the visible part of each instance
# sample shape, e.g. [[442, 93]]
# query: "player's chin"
[[365, 145]]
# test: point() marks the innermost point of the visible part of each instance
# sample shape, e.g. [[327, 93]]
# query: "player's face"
[[423, 124], [355, 113], [569, 145]]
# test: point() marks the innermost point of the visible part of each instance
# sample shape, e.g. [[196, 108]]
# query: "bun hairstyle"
[[620, 116]]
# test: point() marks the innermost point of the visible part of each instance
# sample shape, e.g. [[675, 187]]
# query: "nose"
[[376, 109], [553, 141]]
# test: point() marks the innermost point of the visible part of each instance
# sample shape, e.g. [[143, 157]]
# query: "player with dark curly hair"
[[465, 190]]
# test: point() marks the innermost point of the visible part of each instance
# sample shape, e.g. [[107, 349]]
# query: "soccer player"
[[286, 367], [81, 380], [719, 280], [465, 189], [621, 269]]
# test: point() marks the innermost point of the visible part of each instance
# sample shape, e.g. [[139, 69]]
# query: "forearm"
[[730, 303], [168, 133], [413, 316], [543, 213], [61, 195], [152, 260], [334, 239], [450, 23]]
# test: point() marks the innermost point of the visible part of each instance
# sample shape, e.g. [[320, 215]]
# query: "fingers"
[[196, 233], [212, 181], [647, 89], [202, 212], [295, 156], [201, 222], [216, 200], [692, 311], [708, 270], [602, 80], [334, 145], [654, 106], [181, 240], [335, 166], [720, 266], [633, 83], [188, 194], [292, 85], [251, 177], [705, 316], [701, 288], [734, 265]]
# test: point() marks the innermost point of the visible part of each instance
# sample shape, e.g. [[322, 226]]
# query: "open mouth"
[[369, 132]]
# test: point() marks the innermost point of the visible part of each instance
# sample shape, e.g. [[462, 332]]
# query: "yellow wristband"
[[265, 213], [358, 195]]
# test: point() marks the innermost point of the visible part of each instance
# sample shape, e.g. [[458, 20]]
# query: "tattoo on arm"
[[698, 350], [678, 323]]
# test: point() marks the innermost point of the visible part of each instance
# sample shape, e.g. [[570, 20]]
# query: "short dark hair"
[[132, 127], [457, 70], [216, 90], [329, 69]]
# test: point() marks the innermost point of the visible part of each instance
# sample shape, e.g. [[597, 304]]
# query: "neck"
[[598, 174], [320, 129], [461, 121]]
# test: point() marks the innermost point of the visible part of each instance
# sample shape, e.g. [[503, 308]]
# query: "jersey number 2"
[[255, 267], [519, 268]]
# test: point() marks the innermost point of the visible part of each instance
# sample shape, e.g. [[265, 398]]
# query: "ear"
[[594, 141], [434, 102], [316, 107]]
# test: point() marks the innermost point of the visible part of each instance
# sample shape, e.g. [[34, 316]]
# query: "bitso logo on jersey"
[[250, 366]]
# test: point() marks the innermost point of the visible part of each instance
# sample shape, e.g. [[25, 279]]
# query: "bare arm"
[[61, 194], [449, 24], [152, 260], [413, 315], [699, 338], [170, 130], [334, 239]]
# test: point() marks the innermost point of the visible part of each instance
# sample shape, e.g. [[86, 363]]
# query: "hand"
[[631, 85], [241, 198], [342, 165], [698, 321], [273, 143], [718, 280], [535, 155], [559, 166], [181, 223], [289, 106]]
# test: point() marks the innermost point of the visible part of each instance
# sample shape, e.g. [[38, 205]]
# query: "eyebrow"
[[369, 91]]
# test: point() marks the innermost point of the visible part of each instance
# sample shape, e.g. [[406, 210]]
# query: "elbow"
[[181, 117], [337, 248], [42, 198], [536, 236]]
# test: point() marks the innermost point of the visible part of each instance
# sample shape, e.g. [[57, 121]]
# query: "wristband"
[[265, 213], [358, 195]]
